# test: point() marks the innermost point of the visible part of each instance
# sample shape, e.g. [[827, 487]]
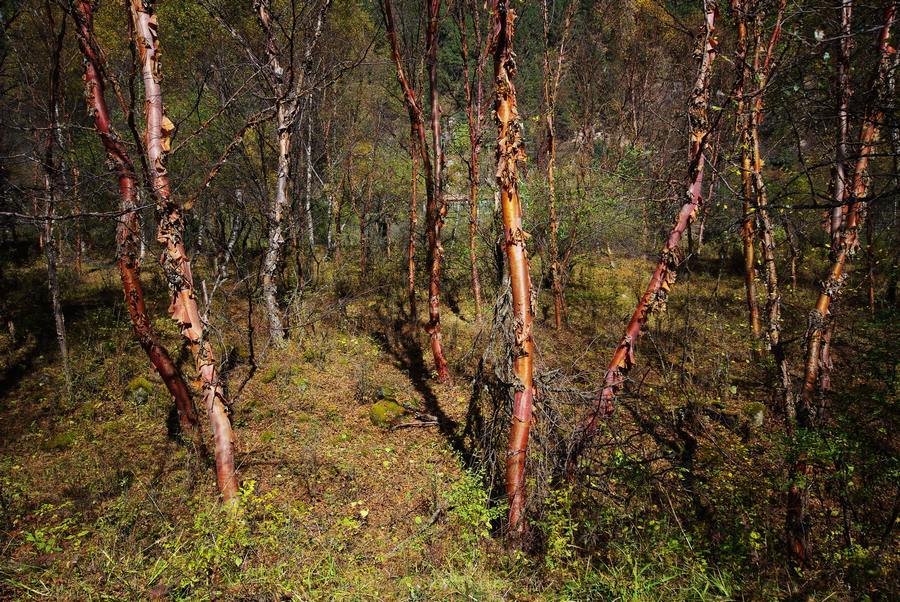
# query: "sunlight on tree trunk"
[[175, 262], [128, 235], [663, 278], [797, 522], [511, 152]]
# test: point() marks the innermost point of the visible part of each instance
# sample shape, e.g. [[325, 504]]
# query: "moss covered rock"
[[59, 442], [386, 413], [755, 413], [138, 390]]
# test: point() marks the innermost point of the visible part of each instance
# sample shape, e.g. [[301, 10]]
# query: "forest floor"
[[99, 502]]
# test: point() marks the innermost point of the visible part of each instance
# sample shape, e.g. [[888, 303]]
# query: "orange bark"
[[796, 525], [434, 206], [128, 227], [663, 278], [510, 152]]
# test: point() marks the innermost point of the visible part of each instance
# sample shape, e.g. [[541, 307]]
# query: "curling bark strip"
[[663, 278], [510, 152], [855, 215], [797, 523], [175, 262], [128, 227], [750, 135]]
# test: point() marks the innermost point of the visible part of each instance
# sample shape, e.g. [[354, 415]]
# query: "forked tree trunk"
[[436, 208], [433, 206], [175, 262], [663, 278], [760, 75], [286, 85], [510, 152], [797, 527], [128, 229]]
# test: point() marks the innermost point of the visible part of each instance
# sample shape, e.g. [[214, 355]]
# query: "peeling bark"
[[287, 84], [654, 298], [128, 229], [797, 521], [760, 75], [436, 208], [511, 152], [175, 262], [839, 184], [748, 234]]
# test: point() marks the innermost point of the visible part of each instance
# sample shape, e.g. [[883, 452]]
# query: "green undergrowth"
[[684, 499]]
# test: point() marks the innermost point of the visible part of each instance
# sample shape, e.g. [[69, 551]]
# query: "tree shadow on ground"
[[397, 337]]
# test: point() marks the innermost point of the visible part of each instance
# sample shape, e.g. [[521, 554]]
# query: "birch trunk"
[[51, 176], [436, 208], [128, 229], [797, 521], [748, 235], [175, 262]]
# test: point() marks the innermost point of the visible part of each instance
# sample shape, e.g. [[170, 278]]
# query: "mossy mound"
[[386, 413], [386, 392], [138, 390], [59, 442], [755, 412], [269, 375]]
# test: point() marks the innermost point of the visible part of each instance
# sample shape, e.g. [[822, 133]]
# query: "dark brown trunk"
[[551, 87], [413, 220], [434, 208], [52, 185], [473, 113]]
